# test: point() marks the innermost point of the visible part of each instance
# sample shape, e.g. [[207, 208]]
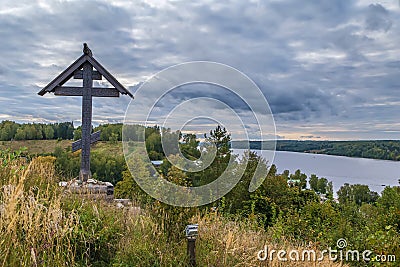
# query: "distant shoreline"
[[369, 149]]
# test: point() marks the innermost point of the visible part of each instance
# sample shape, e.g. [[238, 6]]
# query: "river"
[[340, 170]]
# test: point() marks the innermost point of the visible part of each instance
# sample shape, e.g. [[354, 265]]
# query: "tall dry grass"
[[221, 242], [224, 242], [35, 231]]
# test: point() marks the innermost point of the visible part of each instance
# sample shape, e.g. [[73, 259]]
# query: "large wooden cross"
[[83, 68]]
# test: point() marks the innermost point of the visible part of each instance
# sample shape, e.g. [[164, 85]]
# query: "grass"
[[41, 225], [43, 147], [34, 229], [35, 146]]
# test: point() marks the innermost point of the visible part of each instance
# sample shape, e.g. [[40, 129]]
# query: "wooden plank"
[[78, 91], [77, 145], [68, 91], [78, 74], [108, 76], [105, 92], [76, 66], [63, 76], [94, 137], [85, 173]]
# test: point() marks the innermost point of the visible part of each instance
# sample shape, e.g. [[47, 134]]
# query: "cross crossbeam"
[[94, 137], [77, 91]]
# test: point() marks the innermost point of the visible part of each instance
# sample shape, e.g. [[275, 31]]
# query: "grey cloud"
[[315, 61], [310, 137], [378, 18]]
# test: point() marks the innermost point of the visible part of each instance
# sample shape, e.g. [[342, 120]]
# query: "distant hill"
[[375, 149]]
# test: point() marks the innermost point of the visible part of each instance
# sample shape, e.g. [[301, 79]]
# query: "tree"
[[20, 134], [170, 218], [48, 132], [64, 130], [128, 187], [322, 185], [389, 206], [301, 178], [272, 170], [7, 130], [189, 146], [286, 174], [78, 133], [390, 198], [329, 190], [314, 182], [357, 194], [220, 139], [70, 131], [113, 138], [153, 146], [276, 188], [240, 193]]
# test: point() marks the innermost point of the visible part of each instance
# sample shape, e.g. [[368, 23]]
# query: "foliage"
[[220, 139], [10, 130], [41, 226], [299, 178], [321, 185], [357, 194], [105, 166], [168, 217], [375, 149], [128, 187], [110, 131]]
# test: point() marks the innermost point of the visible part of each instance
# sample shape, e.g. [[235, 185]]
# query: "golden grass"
[[35, 146], [34, 230], [236, 243]]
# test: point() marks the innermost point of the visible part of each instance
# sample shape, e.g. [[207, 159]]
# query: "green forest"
[[10, 130], [374, 149]]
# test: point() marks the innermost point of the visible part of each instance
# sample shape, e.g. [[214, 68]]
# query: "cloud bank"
[[329, 69]]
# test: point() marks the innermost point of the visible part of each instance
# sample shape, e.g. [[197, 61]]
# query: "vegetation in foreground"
[[282, 213], [42, 226]]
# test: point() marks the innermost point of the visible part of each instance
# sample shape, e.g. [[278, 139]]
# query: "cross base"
[[84, 175]]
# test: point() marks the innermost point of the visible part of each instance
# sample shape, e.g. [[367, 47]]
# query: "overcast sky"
[[329, 68]]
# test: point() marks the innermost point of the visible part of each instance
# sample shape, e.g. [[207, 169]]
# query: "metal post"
[[85, 173], [191, 232], [191, 250]]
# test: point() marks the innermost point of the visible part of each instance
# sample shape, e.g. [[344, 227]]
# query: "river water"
[[340, 170]]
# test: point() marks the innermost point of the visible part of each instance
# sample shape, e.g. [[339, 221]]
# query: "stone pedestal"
[[91, 187]]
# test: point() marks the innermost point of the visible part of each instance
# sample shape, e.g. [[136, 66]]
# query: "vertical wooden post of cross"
[[85, 173]]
